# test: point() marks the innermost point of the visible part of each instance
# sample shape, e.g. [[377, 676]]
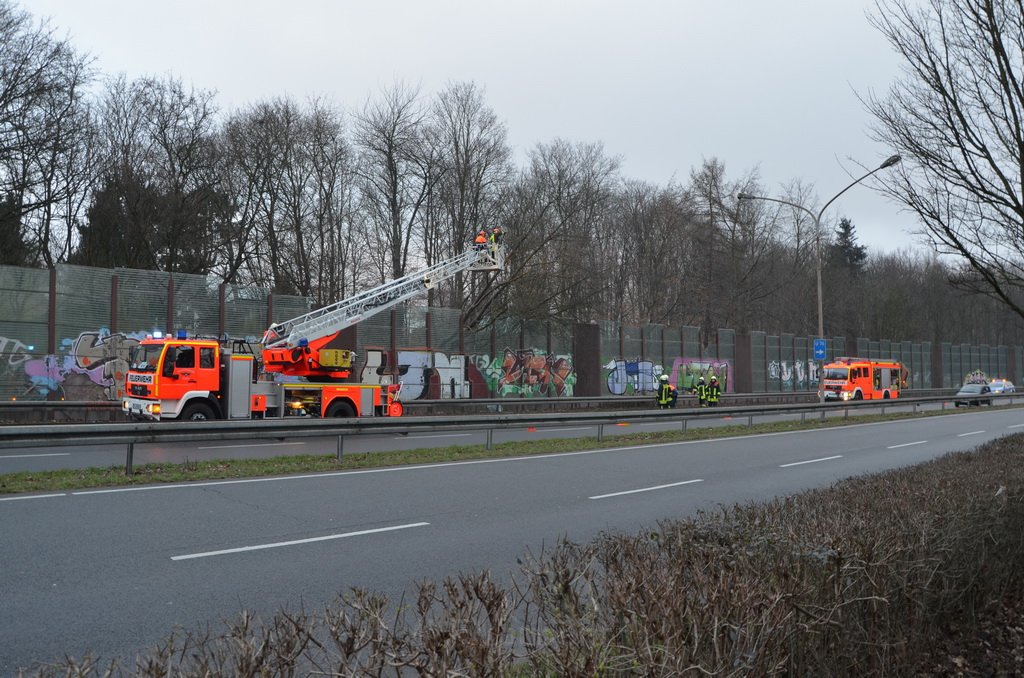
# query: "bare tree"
[[957, 117], [641, 243], [551, 214], [158, 186], [44, 134], [394, 171], [288, 170], [733, 271], [472, 171]]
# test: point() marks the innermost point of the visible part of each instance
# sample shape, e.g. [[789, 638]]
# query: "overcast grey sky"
[[766, 85]]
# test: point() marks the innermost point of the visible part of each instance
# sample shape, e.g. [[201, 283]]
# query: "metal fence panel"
[[758, 367], [444, 329], [24, 328], [561, 338], [142, 300], [410, 327], [535, 335], [245, 311], [631, 345], [773, 358], [196, 304]]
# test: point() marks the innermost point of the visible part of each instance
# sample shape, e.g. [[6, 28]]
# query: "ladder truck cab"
[[862, 379], [199, 378]]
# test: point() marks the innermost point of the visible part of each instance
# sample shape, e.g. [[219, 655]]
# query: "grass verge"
[[193, 470]]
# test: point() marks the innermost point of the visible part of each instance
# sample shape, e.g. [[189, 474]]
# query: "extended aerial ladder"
[[297, 346]]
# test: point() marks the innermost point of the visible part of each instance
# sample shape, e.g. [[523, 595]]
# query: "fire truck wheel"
[[340, 409], [197, 412], [858, 396]]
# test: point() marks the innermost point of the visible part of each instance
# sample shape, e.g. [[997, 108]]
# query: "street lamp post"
[[889, 162]]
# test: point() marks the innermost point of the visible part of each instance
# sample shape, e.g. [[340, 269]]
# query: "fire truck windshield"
[[145, 358], [840, 373]]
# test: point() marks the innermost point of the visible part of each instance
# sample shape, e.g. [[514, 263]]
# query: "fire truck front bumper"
[[137, 408]]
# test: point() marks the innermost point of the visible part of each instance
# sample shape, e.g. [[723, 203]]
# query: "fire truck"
[[293, 370], [862, 379]]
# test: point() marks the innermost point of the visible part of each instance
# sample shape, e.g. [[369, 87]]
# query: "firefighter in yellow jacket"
[[713, 392], [701, 391], [666, 393]]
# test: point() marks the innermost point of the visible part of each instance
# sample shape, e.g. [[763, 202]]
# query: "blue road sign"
[[819, 349]]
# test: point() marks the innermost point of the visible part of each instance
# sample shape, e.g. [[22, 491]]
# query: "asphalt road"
[[115, 571], [70, 457]]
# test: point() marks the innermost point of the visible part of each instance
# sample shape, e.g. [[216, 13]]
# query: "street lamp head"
[[890, 161], [744, 196]]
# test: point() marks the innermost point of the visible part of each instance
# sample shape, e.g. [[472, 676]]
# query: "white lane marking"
[[44, 454], [295, 542], [1015, 425], [916, 442], [646, 489], [34, 496], [972, 433], [224, 447], [435, 435], [810, 461]]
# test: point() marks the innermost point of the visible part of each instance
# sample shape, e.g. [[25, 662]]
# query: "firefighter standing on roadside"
[[713, 392], [701, 391], [666, 393]]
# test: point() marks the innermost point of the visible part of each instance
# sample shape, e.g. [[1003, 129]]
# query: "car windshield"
[[971, 388], [841, 373], [144, 358]]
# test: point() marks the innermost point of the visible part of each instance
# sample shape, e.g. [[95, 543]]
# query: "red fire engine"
[[862, 379], [203, 378]]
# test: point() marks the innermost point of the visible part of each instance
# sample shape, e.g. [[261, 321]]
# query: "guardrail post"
[[600, 432], [341, 446], [490, 439], [803, 417], [130, 459], [684, 424], [750, 420]]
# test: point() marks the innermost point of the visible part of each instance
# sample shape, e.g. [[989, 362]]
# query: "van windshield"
[[145, 357]]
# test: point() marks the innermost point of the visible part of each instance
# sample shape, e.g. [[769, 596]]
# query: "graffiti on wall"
[[416, 369], [976, 377], [631, 376], [640, 377], [526, 373], [794, 376], [90, 367]]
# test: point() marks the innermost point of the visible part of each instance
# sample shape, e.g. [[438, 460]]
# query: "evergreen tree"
[[13, 249], [845, 252]]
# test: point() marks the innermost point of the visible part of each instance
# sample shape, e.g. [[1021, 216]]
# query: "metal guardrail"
[[131, 434], [53, 410]]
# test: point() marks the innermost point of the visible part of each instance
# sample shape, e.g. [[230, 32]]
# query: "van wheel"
[[197, 412], [340, 409]]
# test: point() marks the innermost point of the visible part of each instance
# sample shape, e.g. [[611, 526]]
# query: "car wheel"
[[197, 412], [341, 409]]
